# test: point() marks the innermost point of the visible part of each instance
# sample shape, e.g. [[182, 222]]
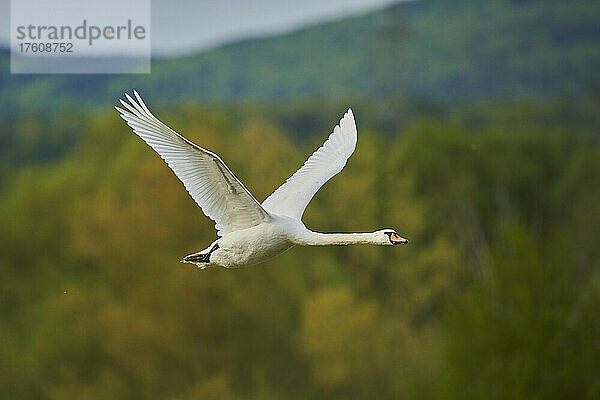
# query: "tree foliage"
[[494, 298]]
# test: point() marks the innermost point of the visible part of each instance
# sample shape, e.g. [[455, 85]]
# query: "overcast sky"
[[183, 26]]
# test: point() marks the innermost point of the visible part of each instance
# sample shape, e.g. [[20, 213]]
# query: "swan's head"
[[390, 237]]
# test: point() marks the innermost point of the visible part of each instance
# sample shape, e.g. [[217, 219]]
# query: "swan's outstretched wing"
[[293, 196], [222, 197]]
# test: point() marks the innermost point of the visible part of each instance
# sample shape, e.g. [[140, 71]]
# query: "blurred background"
[[479, 130]]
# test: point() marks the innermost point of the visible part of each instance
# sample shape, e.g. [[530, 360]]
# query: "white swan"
[[251, 232]]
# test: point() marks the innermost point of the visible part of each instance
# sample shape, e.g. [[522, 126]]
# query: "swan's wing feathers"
[[220, 195], [293, 196]]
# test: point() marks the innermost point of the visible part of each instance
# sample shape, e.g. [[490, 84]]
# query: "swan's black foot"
[[197, 258]]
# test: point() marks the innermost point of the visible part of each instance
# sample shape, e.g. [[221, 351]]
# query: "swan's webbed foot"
[[201, 259], [197, 258]]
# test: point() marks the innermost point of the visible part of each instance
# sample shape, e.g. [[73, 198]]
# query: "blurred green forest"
[[479, 140], [497, 296]]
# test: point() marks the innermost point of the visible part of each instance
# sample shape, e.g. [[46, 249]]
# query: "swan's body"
[[251, 232]]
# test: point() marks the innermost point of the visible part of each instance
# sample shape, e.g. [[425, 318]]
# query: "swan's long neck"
[[310, 238]]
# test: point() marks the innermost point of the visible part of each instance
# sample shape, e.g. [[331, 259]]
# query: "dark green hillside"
[[442, 50], [413, 58]]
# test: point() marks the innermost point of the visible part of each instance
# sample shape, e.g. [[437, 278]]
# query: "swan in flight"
[[250, 232]]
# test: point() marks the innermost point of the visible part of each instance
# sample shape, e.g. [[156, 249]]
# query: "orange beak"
[[397, 239]]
